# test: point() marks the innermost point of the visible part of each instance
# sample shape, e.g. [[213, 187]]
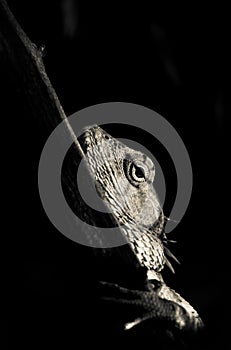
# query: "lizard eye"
[[135, 173]]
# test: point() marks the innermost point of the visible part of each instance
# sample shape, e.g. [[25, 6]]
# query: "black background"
[[172, 59]]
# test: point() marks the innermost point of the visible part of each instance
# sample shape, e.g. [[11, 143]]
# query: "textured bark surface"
[[25, 70]]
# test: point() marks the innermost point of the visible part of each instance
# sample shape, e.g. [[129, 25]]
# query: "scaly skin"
[[124, 180]]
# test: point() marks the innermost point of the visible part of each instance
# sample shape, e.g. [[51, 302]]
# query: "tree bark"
[[24, 65]]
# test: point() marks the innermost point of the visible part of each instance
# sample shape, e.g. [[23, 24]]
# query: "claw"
[[130, 325], [122, 301], [121, 291]]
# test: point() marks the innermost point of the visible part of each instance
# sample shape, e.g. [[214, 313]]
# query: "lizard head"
[[123, 177], [124, 180]]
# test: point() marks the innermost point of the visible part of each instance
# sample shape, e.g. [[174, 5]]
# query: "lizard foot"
[[149, 306]]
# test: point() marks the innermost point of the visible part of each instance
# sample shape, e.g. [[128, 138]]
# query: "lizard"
[[124, 179], [160, 302]]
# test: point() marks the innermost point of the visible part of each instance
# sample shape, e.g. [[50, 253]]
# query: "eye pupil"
[[139, 173]]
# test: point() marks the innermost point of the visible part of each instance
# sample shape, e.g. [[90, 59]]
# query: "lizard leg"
[[150, 307]]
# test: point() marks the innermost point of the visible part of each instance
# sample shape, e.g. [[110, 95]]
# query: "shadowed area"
[[173, 60]]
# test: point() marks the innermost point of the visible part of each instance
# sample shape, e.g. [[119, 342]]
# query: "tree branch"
[[25, 65], [26, 61]]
